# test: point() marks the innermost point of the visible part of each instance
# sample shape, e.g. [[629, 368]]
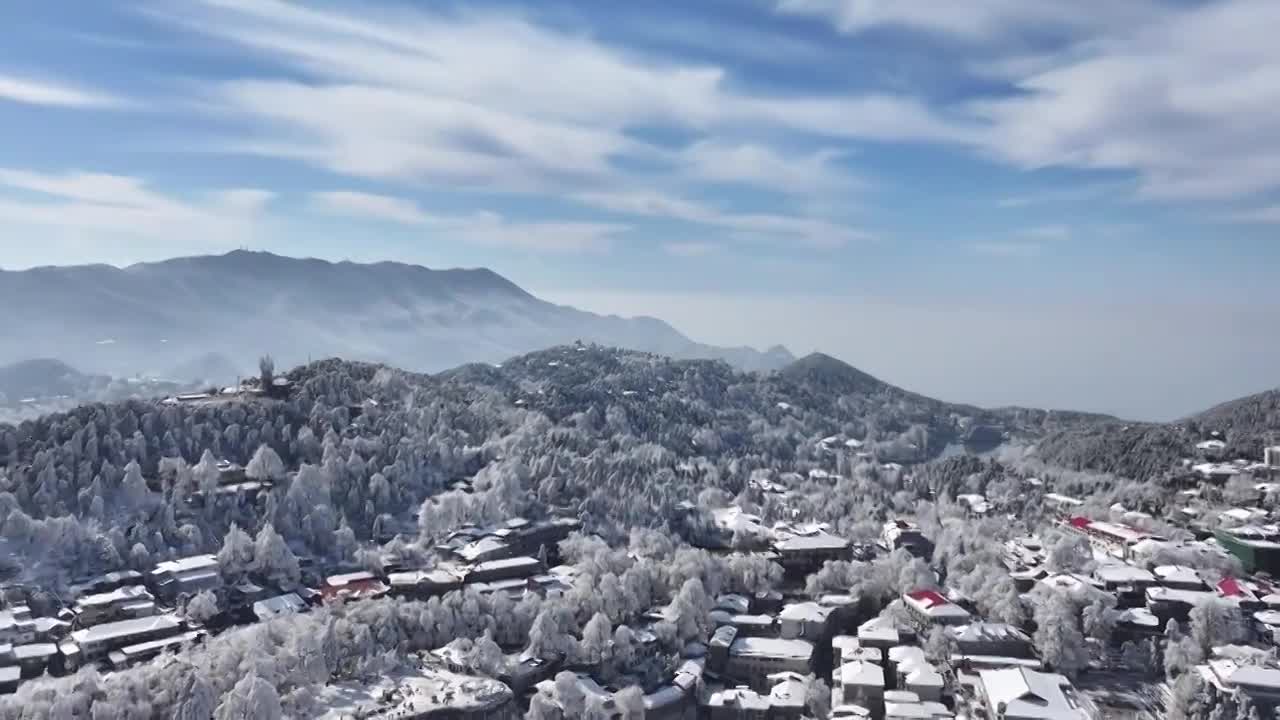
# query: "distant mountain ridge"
[[153, 317], [1145, 450], [40, 377]]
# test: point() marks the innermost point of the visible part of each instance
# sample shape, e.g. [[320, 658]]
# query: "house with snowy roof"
[[1023, 694], [1232, 678]]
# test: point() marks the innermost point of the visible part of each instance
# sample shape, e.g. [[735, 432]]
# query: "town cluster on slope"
[[783, 572]]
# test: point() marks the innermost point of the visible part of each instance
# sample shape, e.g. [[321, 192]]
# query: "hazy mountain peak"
[[242, 303], [823, 367]]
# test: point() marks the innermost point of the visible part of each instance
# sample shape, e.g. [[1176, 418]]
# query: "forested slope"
[[1146, 450]]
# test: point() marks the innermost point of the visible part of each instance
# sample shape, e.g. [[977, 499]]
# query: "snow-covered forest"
[[359, 463]]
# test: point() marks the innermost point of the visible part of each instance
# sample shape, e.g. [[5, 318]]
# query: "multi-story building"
[[928, 608], [504, 569], [804, 552], [147, 650], [1271, 457], [905, 535], [123, 603], [752, 659], [17, 627], [1257, 547], [990, 639], [862, 683], [92, 644], [1260, 684], [187, 576], [809, 620]]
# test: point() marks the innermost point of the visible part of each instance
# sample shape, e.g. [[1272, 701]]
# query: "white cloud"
[[76, 214], [492, 229], [1183, 95], [972, 20], [369, 205], [764, 166], [1186, 101], [480, 228], [31, 91], [811, 232], [502, 103]]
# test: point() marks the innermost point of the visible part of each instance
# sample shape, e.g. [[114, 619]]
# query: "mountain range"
[[221, 312]]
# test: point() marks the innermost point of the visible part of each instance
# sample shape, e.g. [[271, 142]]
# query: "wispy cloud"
[[76, 208], [1186, 101], [1046, 233], [1182, 95], [369, 205], [1008, 249], [690, 249], [1269, 215], [32, 91], [764, 166], [481, 228], [811, 232], [483, 100], [972, 20]]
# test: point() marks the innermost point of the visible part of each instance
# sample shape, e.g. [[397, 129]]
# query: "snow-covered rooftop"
[[1023, 693], [412, 693], [771, 648]]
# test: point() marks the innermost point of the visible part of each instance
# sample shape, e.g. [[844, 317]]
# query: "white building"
[[286, 604], [862, 683], [130, 601], [186, 576], [1271, 457], [1179, 577], [804, 620], [1229, 677], [930, 607], [1022, 694], [17, 627], [991, 639], [1212, 449], [753, 659], [95, 642]]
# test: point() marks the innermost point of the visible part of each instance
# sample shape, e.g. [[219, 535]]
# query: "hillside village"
[[506, 596]]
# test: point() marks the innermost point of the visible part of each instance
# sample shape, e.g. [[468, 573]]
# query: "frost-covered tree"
[[597, 636], [1058, 637], [572, 700], [630, 702], [265, 465], [252, 698], [202, 607], [542, 707], [272, 558], [1099, 617], [818, 699], [690, 608], [546, 639], [1214, 622], [1069, 553], [235, 559]]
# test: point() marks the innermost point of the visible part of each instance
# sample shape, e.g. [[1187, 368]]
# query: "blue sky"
[[991, 154]]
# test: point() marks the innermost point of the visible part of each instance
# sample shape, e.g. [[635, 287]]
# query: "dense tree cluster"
[[360, 460]]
